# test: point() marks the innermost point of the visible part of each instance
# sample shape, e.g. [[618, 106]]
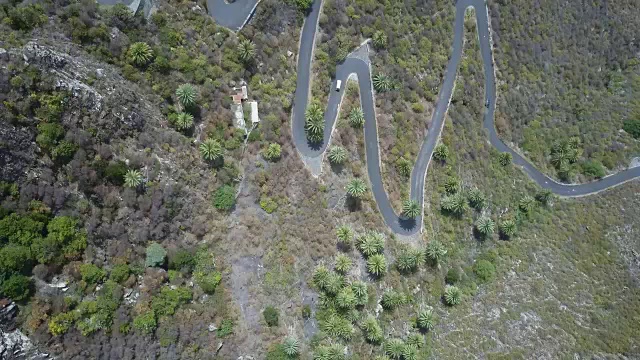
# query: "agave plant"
[[344, 234], [377, 265], [435, 251], [346, 299], [404, 167], [441, 153], [410, 352], [452, 295], [394, 348], [356, 117], [140, 53], [336, 326], [452, 185], [425, 319], [314, 123], [485, 226], [371, 243], [337, 155], [411, 208], [477, 199], [544, 196], [507, 228], [356, 188], [246, 50], [372, 330], [211, 149], [343, 263], [186, 94], [329, 352], [361, 292], [291, 346], [321, 277], [415, 339], [133, 178], [335, 282], [409, 259], [273, 152], [382, 83], [184, 121], [391, 299], [526, 204], [455, 204], [379, 39], [505, 158]]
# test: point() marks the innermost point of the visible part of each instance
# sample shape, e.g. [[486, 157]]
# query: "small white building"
[[254, 112]]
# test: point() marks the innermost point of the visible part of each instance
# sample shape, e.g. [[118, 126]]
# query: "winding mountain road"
[[358, 64]]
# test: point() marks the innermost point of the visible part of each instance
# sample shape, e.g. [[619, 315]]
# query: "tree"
[[435, 252], [224, 198], [507, 228], [156, 255], [371, 243], [15, 258], [411, 208], [526, 204], [140, 53], [477, 200], [452, 295], [92, 274], [291, 346], [184, 121], [356, 117], [273, 152], [409, 259], [246, 50], [372, 330], [344, 234], [343, 263], [505, 159], [356, 188], [335, 282], [382, 83], [17, 287], [379, 39], [186, 94], [211, 149], [441, 153], [452, 185], [485, 226], [64, 241], [377, 265], [455, 204], [271, 316], [337, 155], [404, 167], [394, 348], [314, 123], [424, 320], [632, 126]]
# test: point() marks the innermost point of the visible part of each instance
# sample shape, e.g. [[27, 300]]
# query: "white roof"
[[254, 112]]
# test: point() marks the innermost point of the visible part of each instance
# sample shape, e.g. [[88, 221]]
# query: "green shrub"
[[306, 311], [64, 240], [225, 328], [593, 168], [267, 204], [64, 151], [484, 270], [224, 198], [92, 274], [60, 323], [156, 255], [632, 126], [145, 322], [182, 260], [271, 316], [205, 273], [48, 135], [115, 171], [15, 259], [453, 276], [17, 287], [26, 17], [120, 273], [169, 300]]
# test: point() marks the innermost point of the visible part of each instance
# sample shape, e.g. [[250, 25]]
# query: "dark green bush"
[[26, 17], [48, 135], [92, 274], [63, 152], [120, 273], [593, 168], [632, 126], [21, 230], [224, 198], [114, 172], [15, 259], [145, 322], [271, 316], [169, 300], [17, 287], [453, 276], [182, 260], [484, 270]]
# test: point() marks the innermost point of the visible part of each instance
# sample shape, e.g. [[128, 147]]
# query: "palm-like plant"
[[544, 196], [346, 299], [435, 251], [394, 348], [273, 152], [409, 259], [337, 155], [329, 352], [184, 121], [372, 330], [391, 299], [186, 94], [371, 243], [356, 188], [507, 228], [404, 167], [410, 352], [452, 295], [452, 185], [377, 265], [415, 339], [344, 234], [246, 50], [356, 117], [140, 53], [361, 292], [477, 199], [314, 123], [441, 153], [526, 204], [211, 149], [336, 326], [505, 158], [411, 208], [133, 178], [485, 226], [424, 319], [291, 346], [382, 83], [343, 263], [335, 282], [455, 204], [379, 39], [321, 277]]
